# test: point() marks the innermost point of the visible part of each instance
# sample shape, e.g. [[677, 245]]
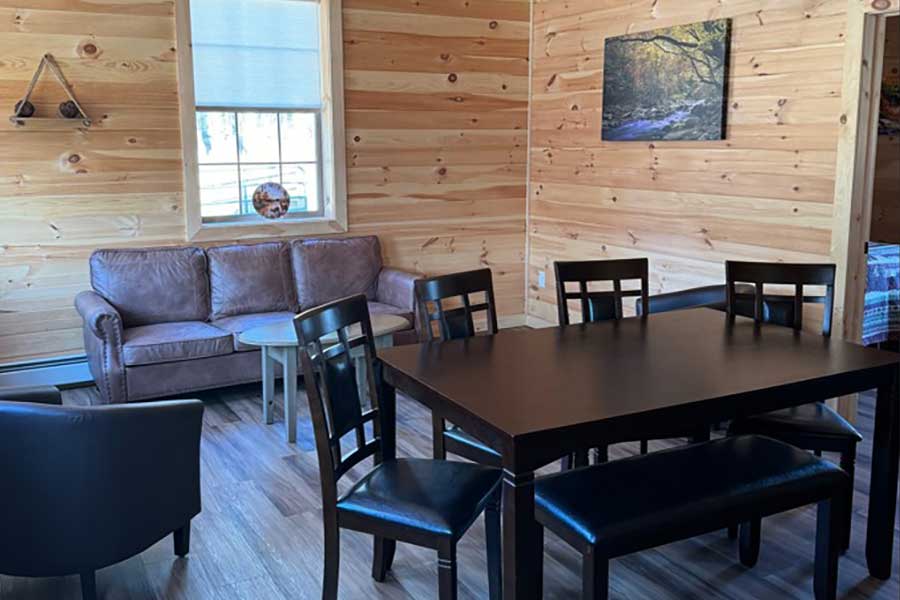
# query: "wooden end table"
[[278, 343]]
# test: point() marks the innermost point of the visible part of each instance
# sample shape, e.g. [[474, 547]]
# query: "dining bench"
[[642, 502]]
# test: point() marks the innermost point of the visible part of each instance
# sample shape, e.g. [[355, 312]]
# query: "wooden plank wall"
[[436, 96], [886, 197], [766, 193]]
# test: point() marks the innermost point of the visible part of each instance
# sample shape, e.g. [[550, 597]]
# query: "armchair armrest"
[[103, 336], [397, 288], [98, 314], [34, 394]]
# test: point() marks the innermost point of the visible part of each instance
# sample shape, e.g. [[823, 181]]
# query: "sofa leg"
[[182, 539], [89, 585]]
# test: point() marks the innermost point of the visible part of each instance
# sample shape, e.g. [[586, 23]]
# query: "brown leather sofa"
[[165, 321]]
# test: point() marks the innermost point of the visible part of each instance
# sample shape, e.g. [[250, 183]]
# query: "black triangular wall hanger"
[[71, 113]]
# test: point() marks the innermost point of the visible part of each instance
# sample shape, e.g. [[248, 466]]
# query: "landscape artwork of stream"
[[667, 84]]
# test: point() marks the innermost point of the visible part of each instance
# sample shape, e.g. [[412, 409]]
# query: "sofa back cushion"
[[153, 285], [328, 269], [246, 279]]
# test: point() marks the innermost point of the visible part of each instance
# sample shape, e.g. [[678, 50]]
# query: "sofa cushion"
[[167, 342], [238, 324], [379, 308], [329, 269], [153, 285], [246, 279]]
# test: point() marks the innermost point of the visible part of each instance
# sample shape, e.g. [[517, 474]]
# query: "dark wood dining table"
[[536, 395]]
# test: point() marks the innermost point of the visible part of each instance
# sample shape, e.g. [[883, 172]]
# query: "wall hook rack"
[[71, 113]]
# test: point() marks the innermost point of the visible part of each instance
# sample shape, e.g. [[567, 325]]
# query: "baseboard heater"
[[63, 371]]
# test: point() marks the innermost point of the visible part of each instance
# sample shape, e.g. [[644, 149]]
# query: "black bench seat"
[[642, 502]]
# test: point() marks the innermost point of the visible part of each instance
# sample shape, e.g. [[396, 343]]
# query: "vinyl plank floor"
[[259, 536]]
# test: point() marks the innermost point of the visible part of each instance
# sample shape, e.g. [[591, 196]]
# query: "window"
[[241, 150], [261, 103]]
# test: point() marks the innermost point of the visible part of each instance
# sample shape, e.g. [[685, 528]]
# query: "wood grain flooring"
[[259, 535]]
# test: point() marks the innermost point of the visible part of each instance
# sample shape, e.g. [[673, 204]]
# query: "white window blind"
[[256, 53]]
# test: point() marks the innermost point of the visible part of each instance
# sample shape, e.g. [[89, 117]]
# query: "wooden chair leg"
[[494, 556], [574, 461], [88, 585], [182, 540], [645, 447], [382, 557], [829, 538], [438, 426], [332, 562], [447, 572], [595, 577], [848, 464], [748, 549]]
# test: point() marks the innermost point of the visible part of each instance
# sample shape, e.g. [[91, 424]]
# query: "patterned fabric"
[[881, 316]]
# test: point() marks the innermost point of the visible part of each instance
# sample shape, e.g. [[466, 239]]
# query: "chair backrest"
[[455, 322], [599, 306], [781, 309], [328, 336]]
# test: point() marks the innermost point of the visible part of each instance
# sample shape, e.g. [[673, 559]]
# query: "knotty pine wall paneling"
[[764, 193], [436, 101]]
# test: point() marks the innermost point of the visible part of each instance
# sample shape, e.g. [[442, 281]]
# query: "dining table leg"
[[883, 487], [522, 539]]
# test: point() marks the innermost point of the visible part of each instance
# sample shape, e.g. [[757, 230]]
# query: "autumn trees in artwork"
[[667, 84]]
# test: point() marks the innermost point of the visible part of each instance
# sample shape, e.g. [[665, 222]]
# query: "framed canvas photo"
[[667, 84]]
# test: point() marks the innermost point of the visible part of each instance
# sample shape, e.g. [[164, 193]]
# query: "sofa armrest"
[[33, 394], [98, 314], [397, 288], [103, 339]]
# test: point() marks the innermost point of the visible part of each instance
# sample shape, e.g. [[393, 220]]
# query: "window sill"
[[236, 230]]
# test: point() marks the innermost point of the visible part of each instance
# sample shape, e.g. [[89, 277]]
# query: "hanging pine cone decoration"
[[24, 109], [69, 110]]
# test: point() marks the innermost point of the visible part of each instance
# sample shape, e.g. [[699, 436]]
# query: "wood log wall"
[[886, 197], [766, 193], [436, 96]]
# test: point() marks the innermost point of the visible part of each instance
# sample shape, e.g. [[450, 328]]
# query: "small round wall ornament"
[[271, 200]]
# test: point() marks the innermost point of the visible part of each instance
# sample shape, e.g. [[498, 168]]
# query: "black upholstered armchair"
[[85, 488]]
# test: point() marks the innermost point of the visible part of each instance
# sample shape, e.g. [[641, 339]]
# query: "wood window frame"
[[333, 152]]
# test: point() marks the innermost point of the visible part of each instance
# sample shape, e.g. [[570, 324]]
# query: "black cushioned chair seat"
[[434, 496], [810, 419], [621, 502], [461, 437]]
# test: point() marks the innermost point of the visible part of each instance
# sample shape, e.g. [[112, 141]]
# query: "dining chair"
[[671, 495], [608, 305], [816, 427], [428, 503], [447, 312]]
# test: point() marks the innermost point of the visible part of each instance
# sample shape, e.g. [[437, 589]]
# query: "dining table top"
[[521, 382]]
